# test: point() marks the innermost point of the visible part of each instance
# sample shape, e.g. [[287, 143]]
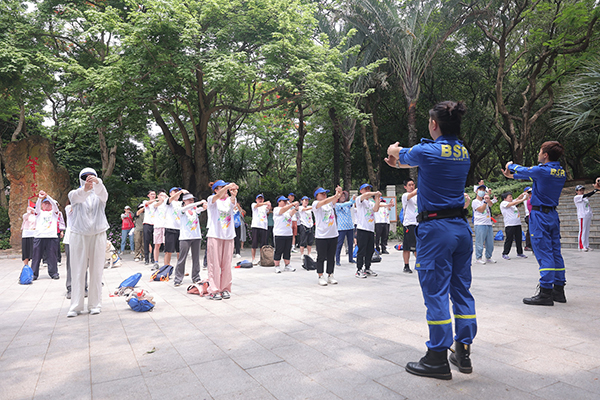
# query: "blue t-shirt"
[[548, 181], [443, 168], [344, 215]]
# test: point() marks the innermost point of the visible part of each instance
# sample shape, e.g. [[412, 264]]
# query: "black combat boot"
[[543, 298], [461, 357], [558, 294], [433, 365]]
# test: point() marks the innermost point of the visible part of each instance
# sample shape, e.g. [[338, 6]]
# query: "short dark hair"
[[448, 115], [162, 191], [150, 191], [554, 150], [408, 180], [505, 195]]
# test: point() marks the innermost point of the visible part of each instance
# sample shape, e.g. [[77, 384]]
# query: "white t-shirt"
[[526, 209], [149, 211], [220, 219], [190, 223], [511, 214], [28, 226], [583, 206], [353, 213], [159, 214], [259, 216], [382, 216], [172, 215], [46, 223], [410, 210], [305, 217], [365, 216], [325, 221], [282, 223], [483, 218]]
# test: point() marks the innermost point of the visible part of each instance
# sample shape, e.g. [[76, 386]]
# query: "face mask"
[[481, 193]]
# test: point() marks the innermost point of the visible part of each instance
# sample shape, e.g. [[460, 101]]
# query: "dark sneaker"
[[360, 274], [225, 294], [370, 272], [177, 284], [55, 277]]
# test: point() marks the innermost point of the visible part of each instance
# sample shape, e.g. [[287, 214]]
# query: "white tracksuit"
[[87, 242]]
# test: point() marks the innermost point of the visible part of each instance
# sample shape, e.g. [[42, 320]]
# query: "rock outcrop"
[[30, 167]]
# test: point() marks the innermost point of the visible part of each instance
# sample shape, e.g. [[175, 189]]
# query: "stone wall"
[[30, 167]]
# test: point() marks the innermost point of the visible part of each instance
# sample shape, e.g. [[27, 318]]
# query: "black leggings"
[[326, 252], [365, 240], [513, 233], [148, 241]]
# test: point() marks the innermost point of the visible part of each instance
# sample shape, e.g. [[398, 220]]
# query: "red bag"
[[127, 222]]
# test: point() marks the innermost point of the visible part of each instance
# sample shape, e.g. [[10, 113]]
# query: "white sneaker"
[[72, 314], [238, 256], [480, 261], [491, 261], [136, 259], [289, 269], [331, 280], [254, 262], [94, 311], [294, 250], [277, 270], [322, 281]]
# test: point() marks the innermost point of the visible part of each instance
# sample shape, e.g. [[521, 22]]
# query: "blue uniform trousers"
[[545, 240], [444, 251]]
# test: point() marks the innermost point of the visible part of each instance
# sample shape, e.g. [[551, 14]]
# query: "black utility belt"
[[544, 209], [448, 213]]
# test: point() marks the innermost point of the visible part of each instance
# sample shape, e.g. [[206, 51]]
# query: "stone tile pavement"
[[281, 336]]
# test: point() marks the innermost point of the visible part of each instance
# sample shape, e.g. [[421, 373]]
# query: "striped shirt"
[[344, 217]]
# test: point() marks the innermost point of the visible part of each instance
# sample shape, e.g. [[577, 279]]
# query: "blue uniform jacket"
[[548, 181], [440, 187]]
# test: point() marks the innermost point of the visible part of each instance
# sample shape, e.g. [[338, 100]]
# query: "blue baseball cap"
[[320, 190], [282, 198], [365, 185], [291, 194], [305, 198], [174, 188], [219, 183], [527, 189], [260, 195]]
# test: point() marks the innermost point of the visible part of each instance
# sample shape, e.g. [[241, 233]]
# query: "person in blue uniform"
[[544, 225], [444, 240]]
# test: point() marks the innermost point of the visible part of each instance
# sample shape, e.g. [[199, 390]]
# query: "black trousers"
[[513, 233], [326, 252], [283, 246], [48, 246], [382, 232], [148, 240], [236, 240], [365, 240], [527, 236]]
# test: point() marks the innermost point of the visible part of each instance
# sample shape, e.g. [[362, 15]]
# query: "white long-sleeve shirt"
[[88, 207]]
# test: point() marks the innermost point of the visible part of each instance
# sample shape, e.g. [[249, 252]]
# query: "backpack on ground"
[[499, 236], [127, 285], [267, 254], [26, 277], [199, 288], [140, 301], [308, 263], [376, 256], [163, 274]]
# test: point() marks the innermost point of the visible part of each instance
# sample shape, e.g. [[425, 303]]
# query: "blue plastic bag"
[[131, 281], [355, 252], [26, 277], [140, 305], [524, 238], [499, 236]]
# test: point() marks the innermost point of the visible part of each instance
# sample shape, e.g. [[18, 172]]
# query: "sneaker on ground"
[[69, 295], [370, 272], [527, 248], [384, 252], [352, 261], [491, 261], [277, 270], [505, 256], [521, 256], [238, 256], [72, 314], [360, 274], [176, 284], [322, 281], [331, 280], [337, 264], [289, 268], [136, 259], [59, 263], [215, 296], [225, 294], [94, 311], [407, 270], [480, 261], [254, 262], [294, 250], [55, 277], [146, 262]]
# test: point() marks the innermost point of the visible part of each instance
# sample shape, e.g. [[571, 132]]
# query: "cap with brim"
[[291, 194], [188, 196], [320, 190], [305, 198], [45, 200], [527, 189], [140, 206], [126, 207], [382, 200], [481, 186], [260, 195], [219, 183], [282, 198], [365, 185], [174, 188], [579, 187]]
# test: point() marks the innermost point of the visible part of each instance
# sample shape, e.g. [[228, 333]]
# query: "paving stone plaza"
[[281, 336]]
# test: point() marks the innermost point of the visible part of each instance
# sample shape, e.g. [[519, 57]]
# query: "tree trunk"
[[368, 159], [201, 172], [300, 143], [347, 138], [412, 132], [21, 122], [3, 201], [108, 156], [336, 158], [375, 128]]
